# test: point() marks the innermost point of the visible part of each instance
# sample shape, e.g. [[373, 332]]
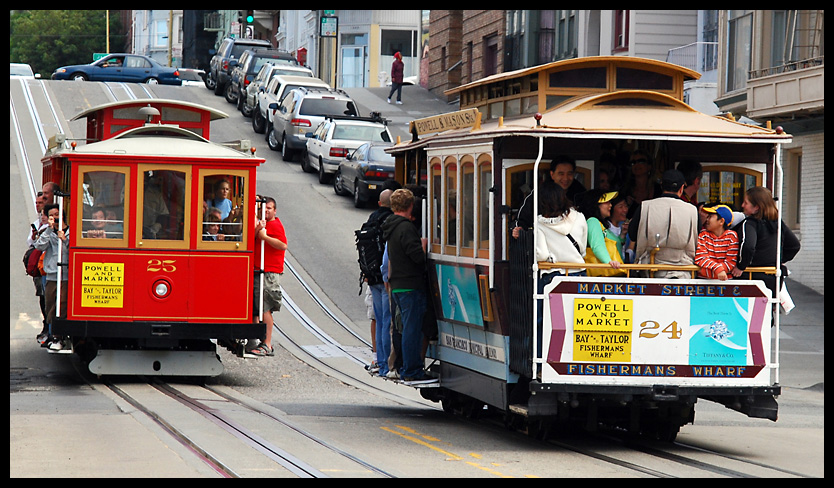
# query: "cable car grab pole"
[[60, 228], [261, 295], [536, 359]]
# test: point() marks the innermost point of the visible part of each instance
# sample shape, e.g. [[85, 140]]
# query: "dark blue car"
[[121, 67]]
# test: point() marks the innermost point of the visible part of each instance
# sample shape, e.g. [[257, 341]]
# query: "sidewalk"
[[417, 103], [809, 309]]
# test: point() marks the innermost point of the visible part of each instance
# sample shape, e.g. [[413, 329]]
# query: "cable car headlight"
[[161, 289]]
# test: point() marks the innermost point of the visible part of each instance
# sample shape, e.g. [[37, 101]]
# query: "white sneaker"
[[389, 100], [399, 102]]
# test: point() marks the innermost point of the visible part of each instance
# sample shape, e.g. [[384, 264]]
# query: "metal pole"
[[60, 247], [780, 174], [261, 302], [536, 359]]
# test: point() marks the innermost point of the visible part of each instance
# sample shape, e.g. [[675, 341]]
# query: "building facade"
[[771, 69], [352, 48]]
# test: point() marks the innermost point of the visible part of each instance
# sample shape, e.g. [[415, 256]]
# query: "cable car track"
[[225, 421]]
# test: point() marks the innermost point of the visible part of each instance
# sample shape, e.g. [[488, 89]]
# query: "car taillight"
[[372, 173], [338, 152], [177, 73], [301, 123]]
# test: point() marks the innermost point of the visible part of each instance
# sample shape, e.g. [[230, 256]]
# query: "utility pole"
[[107, 30]]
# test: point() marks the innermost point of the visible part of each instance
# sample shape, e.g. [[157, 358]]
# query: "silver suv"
[[249, 101], [274, 92], [300, 112]]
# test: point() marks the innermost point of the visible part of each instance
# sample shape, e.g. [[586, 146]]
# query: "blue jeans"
[[382, 312], [412, 305]]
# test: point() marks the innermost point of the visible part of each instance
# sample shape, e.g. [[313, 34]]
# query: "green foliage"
[[49, 39]]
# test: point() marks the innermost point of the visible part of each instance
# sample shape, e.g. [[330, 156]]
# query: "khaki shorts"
[[272, 293]]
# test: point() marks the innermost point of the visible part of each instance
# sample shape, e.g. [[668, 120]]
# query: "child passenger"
[[717, 249]]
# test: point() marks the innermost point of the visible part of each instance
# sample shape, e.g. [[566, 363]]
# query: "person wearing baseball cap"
[[666, 227], [717, 250]]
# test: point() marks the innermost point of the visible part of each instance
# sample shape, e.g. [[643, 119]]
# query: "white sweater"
[[552, 243]]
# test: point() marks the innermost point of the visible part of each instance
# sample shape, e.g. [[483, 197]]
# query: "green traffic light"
[[250, 18]]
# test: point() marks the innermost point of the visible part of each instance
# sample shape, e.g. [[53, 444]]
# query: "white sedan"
[[336, 137]]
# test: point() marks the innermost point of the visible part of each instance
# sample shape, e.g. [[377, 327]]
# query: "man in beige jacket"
[[669, 224]]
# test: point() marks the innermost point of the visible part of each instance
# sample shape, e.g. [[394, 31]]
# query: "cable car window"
[[436, 192], [467, 205], [450, 213], [579, 78], [163, 205], [484, 184], [103, 206], [223, 205], [642, 79]]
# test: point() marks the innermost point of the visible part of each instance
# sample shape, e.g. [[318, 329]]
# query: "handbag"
[[613, 252]]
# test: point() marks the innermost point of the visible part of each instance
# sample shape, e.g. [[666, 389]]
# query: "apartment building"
[[772, 69]]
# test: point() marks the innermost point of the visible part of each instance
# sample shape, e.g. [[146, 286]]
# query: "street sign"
[[97, 56], [444, 122], [329, 26]]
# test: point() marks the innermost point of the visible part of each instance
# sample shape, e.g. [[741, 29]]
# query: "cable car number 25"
[[166, 265]]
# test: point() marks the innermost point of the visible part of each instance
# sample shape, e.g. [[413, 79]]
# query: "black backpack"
[[371, 246]]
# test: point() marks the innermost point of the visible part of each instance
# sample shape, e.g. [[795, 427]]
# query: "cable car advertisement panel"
[[649, 331]]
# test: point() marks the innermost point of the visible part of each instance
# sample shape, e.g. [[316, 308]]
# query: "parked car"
[[21, 70], [301, 110], [338, 136], [249, 102], [230, 49], [192, 77], [363, 172], [245, 69], [121, 67], [274, 92]]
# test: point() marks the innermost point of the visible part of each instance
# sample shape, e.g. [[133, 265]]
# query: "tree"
[[48, 39]]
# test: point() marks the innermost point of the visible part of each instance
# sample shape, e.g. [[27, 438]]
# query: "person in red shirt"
[[270, 231], [397, 68], [717, 249]]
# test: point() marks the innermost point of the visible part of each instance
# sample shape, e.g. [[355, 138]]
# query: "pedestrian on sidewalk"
[[397, 78]]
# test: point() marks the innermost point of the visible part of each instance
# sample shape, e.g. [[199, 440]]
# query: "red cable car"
[[161, 244]]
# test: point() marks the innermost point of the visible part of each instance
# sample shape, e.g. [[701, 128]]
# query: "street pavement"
[[417, 103]]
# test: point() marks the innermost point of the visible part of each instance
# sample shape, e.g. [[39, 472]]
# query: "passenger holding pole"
[[269, 252]]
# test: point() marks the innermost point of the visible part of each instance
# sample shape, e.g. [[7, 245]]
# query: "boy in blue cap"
[[717, 249]]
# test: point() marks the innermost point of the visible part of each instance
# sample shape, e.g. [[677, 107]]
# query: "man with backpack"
[[371, 246]]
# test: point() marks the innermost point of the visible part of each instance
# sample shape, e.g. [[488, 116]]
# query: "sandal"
[[262, 350]]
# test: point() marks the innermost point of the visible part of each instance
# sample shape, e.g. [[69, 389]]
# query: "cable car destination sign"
[[443, 122]]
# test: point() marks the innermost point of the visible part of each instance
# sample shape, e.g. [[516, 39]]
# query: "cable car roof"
[[574, 63], [215, 114], [160, 140], [621, 114]]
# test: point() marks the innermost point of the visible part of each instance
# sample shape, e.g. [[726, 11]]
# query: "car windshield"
[[292, 72], [326, 106], [361, 133], [378, 155], [20, 70]]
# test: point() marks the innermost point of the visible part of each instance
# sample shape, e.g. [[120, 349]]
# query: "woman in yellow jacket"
[[604, 246]]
